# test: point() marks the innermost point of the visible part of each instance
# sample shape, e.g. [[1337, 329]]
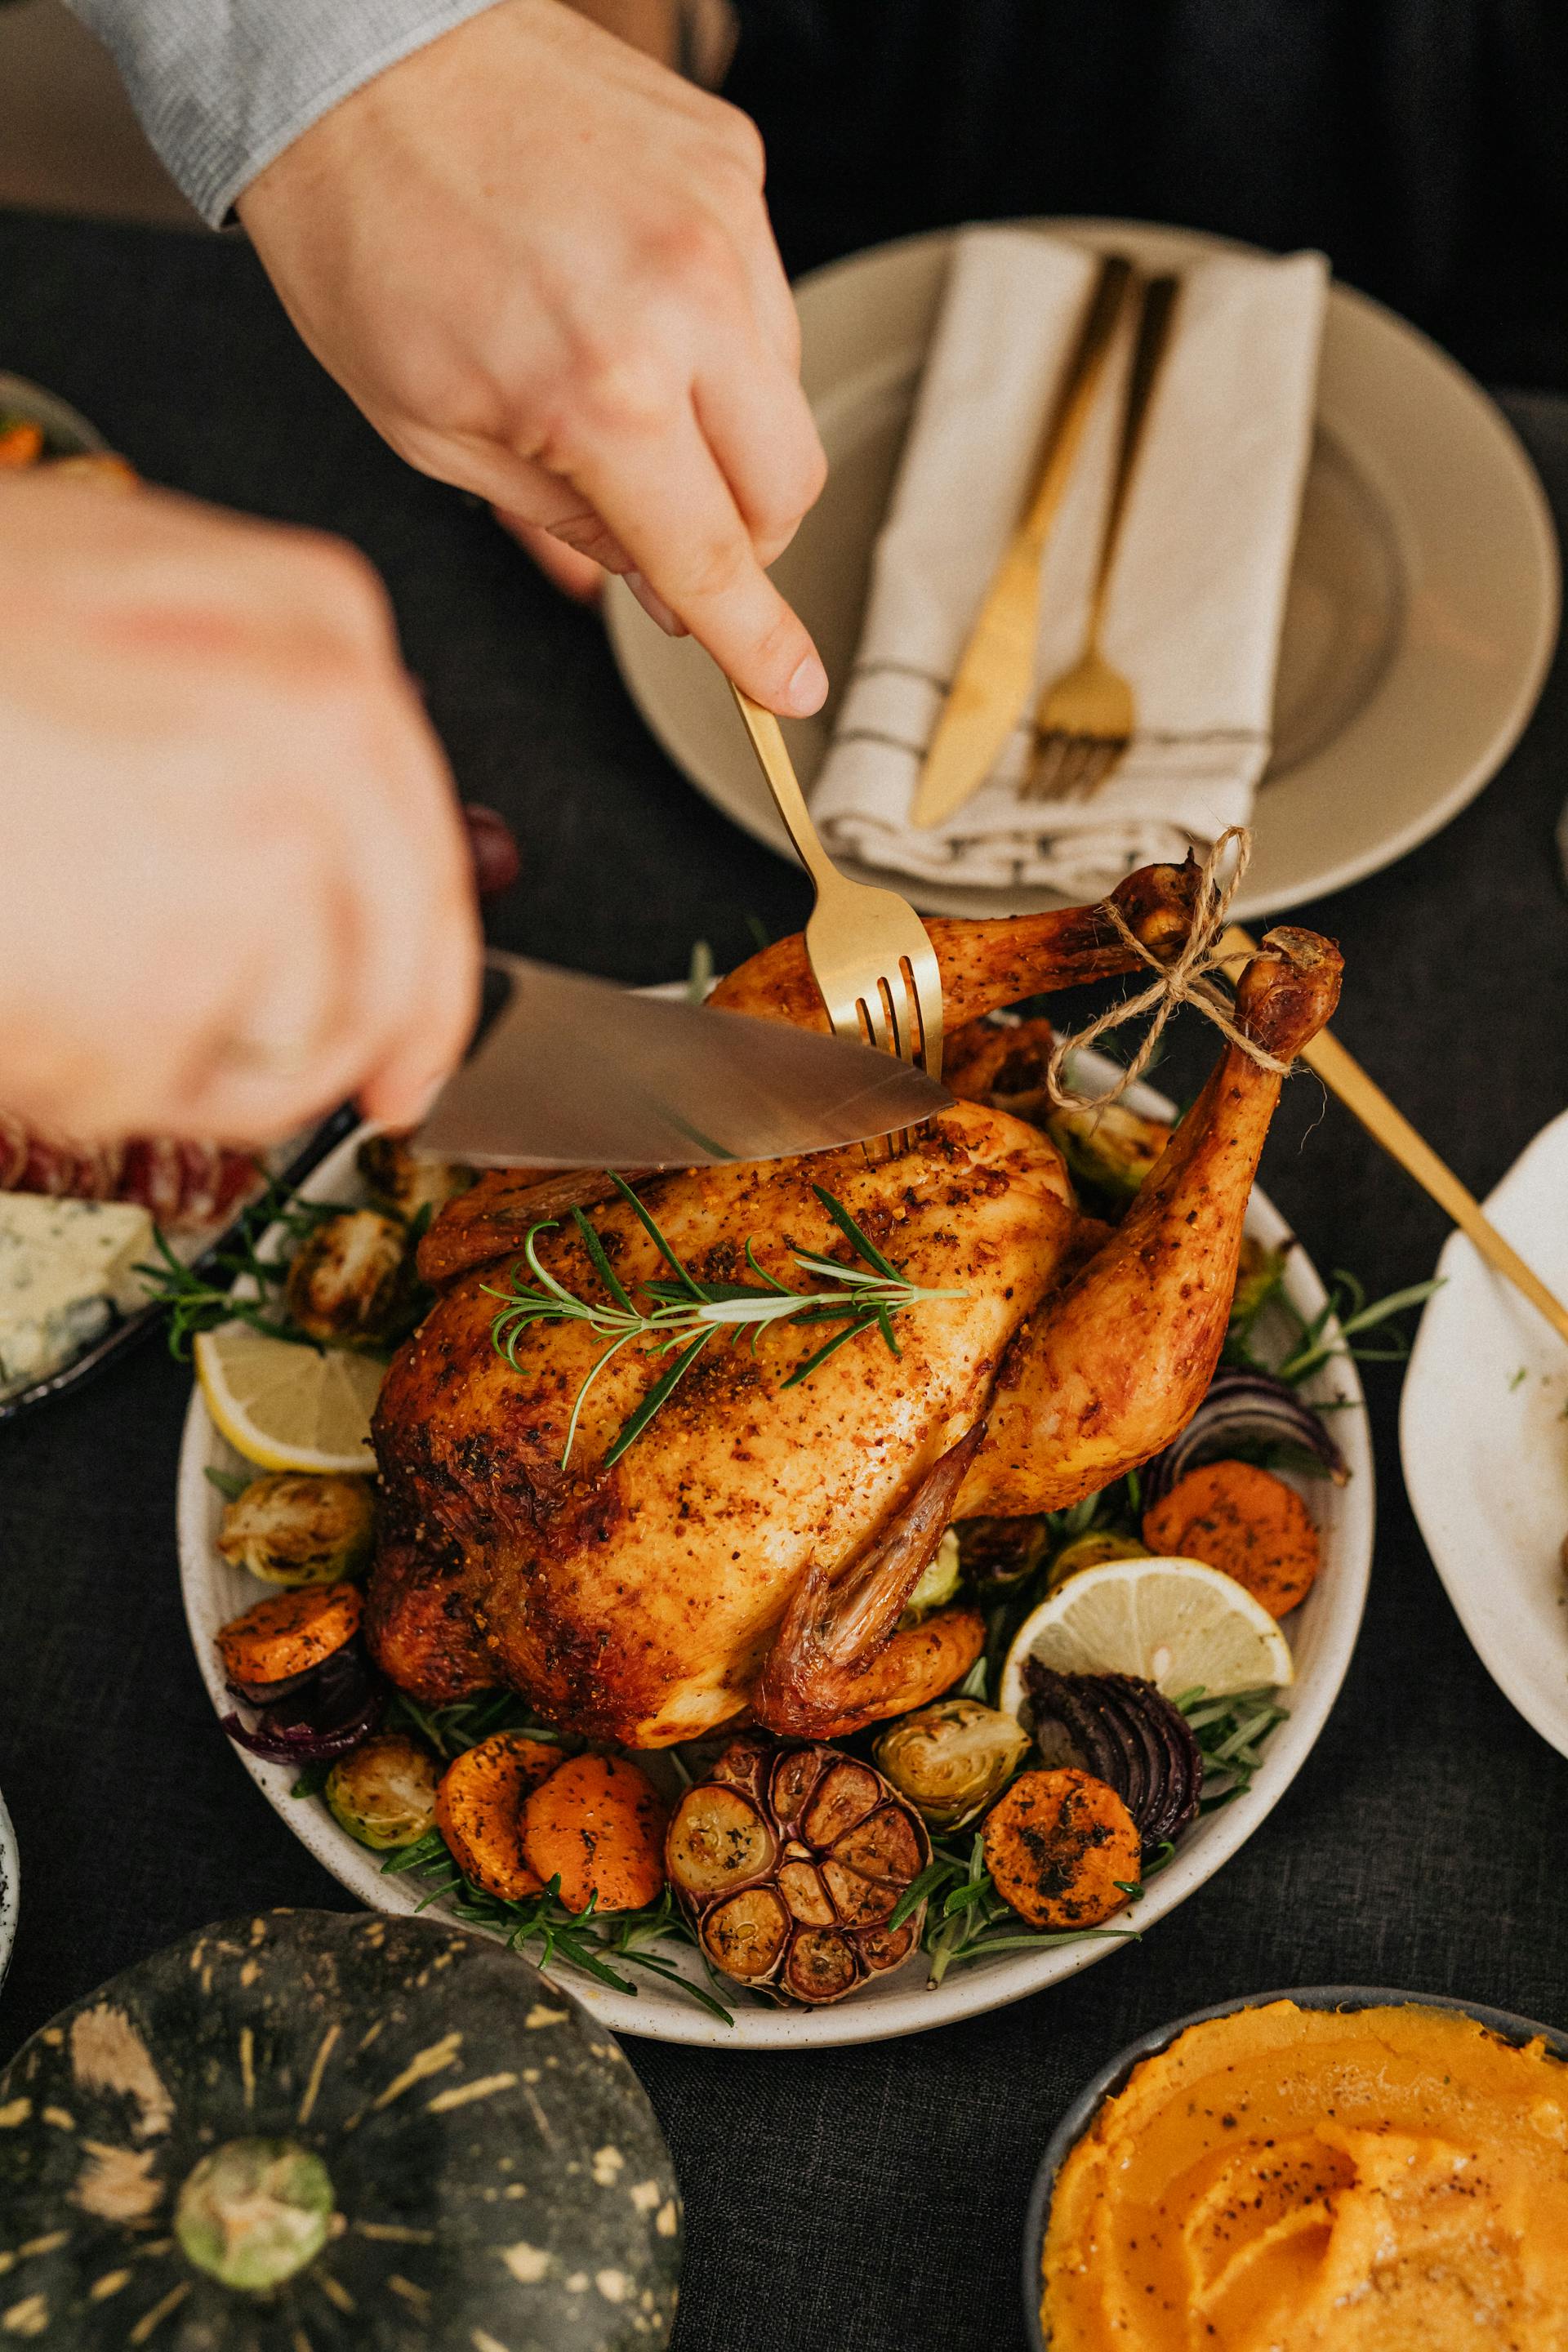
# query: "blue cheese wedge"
[[66, 1269]]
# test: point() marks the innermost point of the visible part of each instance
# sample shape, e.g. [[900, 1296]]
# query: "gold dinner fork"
[[1085, 719], [868, 948]]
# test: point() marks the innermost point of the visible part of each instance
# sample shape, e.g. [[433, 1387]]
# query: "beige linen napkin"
[[1197, 597]]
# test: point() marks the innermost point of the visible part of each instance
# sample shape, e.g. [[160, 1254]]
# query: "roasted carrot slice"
[[479, 1810], [600, 1824], [289, 1633], [1055, 1845], [21, 444], [1243, 1521], [918, 1665]]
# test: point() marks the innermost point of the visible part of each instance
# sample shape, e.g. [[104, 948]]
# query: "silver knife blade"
[[577, 1073]]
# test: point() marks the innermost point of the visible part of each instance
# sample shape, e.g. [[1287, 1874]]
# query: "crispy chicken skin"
[[754, 1547]]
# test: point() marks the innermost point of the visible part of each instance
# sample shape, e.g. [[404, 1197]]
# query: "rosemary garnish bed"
[[552, 1931], [602, 1946]]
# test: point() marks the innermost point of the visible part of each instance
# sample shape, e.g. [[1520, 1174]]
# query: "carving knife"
[[576, 1072]]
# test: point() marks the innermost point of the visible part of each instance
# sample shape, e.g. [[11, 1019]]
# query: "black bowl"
[[1112, 2078]]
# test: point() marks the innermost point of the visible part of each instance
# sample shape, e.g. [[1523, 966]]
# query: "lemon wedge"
[[1178, 1624], [286, 1406]]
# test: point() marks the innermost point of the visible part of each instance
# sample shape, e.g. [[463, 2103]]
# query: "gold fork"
[[868, 948], [1085, 720]]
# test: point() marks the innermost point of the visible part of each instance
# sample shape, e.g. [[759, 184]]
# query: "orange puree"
[[1303, 2180]]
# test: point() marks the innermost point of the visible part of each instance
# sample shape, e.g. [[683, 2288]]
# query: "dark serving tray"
[[130, 1329]]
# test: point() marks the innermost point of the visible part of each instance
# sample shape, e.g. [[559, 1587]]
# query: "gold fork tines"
[[868, 948], [1085, 719]]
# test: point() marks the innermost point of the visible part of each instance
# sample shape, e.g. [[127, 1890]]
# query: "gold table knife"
[[996, 671]]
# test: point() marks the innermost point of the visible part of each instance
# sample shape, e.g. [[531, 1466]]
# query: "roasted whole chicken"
[[754, 1550]]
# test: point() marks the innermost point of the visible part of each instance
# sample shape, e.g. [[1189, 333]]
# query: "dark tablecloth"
[[868, 2199]]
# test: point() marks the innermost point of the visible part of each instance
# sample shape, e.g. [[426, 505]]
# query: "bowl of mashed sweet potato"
[[1334, 2170]]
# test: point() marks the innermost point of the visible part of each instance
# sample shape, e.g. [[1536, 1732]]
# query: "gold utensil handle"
[[774, 759], [996, 668], [1344, 1076], [1159, 302], [1064, 434]]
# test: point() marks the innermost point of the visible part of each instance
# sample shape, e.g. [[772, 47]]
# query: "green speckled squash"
[[312, 2132]]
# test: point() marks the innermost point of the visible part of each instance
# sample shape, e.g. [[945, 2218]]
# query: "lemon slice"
[[1178, 1624], [288, 1407]]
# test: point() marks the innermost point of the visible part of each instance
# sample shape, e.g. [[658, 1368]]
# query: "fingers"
[[578, 576], [661, 492], [392, 927], [759, 425]]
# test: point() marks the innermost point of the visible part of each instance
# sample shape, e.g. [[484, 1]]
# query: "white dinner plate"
[[1484, 1441], [10, 1889], [1322, 1633], [1423, 605]]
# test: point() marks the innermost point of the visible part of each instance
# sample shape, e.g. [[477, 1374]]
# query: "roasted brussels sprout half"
[[938, 1583], [406, 1181], [351, 1282], [384, 1791], [1258, 1276], [952, 1759], [997, 1555], [790, 1860], [1091, 1551], [290, 1528], [1108, 1150]]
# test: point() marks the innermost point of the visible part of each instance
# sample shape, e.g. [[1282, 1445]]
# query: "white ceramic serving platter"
[[1322, 1634], [1423, 606], [1485, 1441], [10, 1889]]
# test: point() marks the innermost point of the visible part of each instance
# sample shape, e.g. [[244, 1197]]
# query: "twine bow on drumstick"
[[1184, 979]]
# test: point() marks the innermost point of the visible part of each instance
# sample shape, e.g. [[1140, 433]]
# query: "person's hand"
[[233, 883], [541, 265]]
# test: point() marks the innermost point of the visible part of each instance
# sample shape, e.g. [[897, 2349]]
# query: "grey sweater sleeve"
[[223, 86]]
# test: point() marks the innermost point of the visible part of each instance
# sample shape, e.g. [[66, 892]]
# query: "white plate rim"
[[625, 621], [10, 1889], [1452, 1551], [1339, 1595]]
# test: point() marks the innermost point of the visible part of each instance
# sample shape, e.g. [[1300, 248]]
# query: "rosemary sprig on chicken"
[[684, 1314]]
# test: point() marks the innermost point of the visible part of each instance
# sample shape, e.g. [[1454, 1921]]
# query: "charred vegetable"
[[358, 2133], [1245, 1521], [952, 1759], [1062, 1848], [938, 1584], [406, 1181], [287, 1635], [1244, 1405], [996, 1555], [790, 1859], [290, 1528], [1127, 1733], [597, 1824], [350, 1280], [309, 1717], [384, 1792], [916, 1664], [1258, 1274], [1091, 1551], [479, 1810], [1109, 1151]]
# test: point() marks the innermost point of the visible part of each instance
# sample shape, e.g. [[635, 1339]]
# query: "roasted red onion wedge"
[[1243, 1405], [790, 1859], [308, 1717], [1127, 1733]]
